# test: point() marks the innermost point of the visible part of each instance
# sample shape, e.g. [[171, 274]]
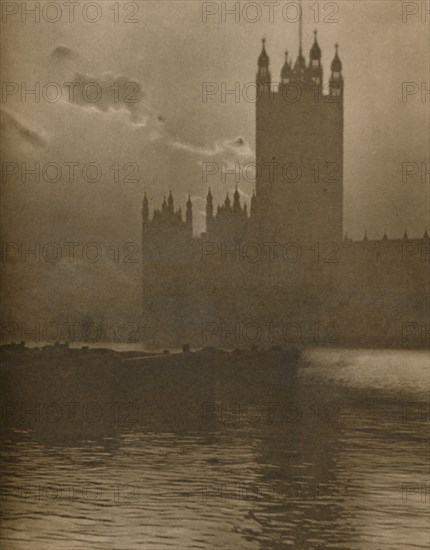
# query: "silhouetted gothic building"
[[281, 271]]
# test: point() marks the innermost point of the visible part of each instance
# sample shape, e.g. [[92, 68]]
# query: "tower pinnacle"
[[286, 70], [336, 64], [145, 209], [189, 214], [300, 28], [315, 52], [336, 80], [263, 74], [170, 202], [263, 60]]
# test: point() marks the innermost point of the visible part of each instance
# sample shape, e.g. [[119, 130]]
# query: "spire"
[[253, 211], [236, 200], [263, 73], [385, 237], [170, 199], [300, 29], [336, 64], [336, 80], [209, 208], [300, 64], [170, 203], [263, 60], [227, 202], [365, 238], [315, 67], [405, 235], [286, 70], [164, 205], [426, 235], [315, 53], [189, 213], [145, 209]]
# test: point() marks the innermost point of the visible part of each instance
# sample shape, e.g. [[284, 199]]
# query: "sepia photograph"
[[215, 275]]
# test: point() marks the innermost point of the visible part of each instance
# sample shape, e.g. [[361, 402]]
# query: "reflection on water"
[[339, 460]]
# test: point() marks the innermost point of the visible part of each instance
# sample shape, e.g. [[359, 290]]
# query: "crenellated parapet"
[[232, 219], [166, 217], [167, 234], [387, 251]]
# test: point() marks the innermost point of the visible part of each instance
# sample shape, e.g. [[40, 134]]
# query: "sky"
[[168, 54]]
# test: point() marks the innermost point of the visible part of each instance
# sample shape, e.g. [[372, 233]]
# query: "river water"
[[341, 461]]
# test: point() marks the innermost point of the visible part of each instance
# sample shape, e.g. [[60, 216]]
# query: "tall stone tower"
[[299, 146]]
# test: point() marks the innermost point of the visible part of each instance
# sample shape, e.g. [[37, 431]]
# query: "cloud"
[[14, 129], [108, 92], [105, 92], [63, 53], [195, 149], [238, 146]]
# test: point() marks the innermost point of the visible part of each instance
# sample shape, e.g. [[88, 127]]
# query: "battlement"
[[393, 252]]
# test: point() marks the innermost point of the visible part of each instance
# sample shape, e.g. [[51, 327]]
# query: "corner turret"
[[315, 67], [336, 80], [263, 73]]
